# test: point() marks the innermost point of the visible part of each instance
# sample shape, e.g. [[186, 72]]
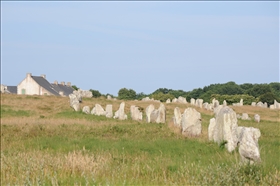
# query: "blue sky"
[[142, 46]]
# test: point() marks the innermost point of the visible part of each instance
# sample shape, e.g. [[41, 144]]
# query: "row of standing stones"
[[222, 129]]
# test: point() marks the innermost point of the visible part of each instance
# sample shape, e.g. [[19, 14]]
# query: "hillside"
[[43, 141]]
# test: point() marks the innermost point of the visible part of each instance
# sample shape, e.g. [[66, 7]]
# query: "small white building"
[[38, 85]]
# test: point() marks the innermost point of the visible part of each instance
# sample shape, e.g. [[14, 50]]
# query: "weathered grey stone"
[[168, 101], [191, 122], [241, 102], [211, 129], [177, 117], [149, 110], [99, 111], [253, 104], [260, 104], [192, 101], [226, 128], [78, 94], [217, 109], [199, 103], [146, 99], [245, 116], [257, 118], [158, 115], [276, 105], [109, 111], [74, 102], [238, 116], [210, 107], [120, 114], [86, 109], [205, 105], [93, 111], [109, 97], [265, 105], [272, 107], [216, 103], [248, 144], [224, 103], [135, 113], [175, 100], [181, 100]]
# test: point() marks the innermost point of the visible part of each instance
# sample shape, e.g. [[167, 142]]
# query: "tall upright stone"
[[74, 102], [248, 144], [191, 122], [177, 117], [109, 111], [211, 129], [120, 114], [135, 113], [149, 110], [224, 103], [181, 100], [168, 100], [253, 104], [99, 111], [257, 118], [226, 128], [241, 102], [86, 109], [192, 101]]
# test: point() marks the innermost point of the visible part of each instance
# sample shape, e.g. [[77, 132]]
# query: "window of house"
[[23, 91]]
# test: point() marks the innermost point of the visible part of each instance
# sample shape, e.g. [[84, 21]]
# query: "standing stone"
[[257, 118], [109, 97], [120, 114], [181, 99], [211, 129], [210, 107], [216, 103], [276, 105], [241, 102], [177, 117], [217, 109], [109, 111], [191, 122], [192, 101], [175, 100], [86, 109], [272, 107], [253, 104], [135, 113], [245, 116], [74, 102], [162, 114], [93, 111], [205, 105], [226, 128], [199, 103], [149, 110], [78, 95], [260, 104], [265, 105], [224, 103], [168, 100], [99, 111], [248, 144]]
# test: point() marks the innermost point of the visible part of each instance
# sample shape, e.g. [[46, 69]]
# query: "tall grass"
[[53, 145]]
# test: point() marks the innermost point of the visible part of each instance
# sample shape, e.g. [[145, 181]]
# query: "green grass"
[[73, 148]]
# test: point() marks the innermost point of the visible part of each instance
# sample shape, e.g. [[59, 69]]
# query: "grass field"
[[44, 142]]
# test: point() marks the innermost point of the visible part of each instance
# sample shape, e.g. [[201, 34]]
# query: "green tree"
[[162, 97], [95, 93], [75, 87], [126, 94], [268, 97]]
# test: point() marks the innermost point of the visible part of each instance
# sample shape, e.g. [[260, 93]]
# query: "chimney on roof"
[[43, 76], [28, 75], [62, 83], [55, 82], [69, 84]]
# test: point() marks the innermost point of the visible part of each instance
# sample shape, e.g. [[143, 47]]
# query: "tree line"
[[229, 91]]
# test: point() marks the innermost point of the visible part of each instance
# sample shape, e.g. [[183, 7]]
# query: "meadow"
[[45, 142]]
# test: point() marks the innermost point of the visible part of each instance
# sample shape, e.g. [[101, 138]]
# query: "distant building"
[[39, 85], [8, 89]]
